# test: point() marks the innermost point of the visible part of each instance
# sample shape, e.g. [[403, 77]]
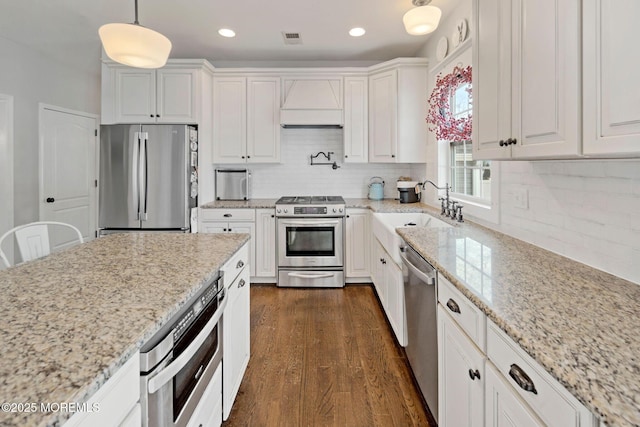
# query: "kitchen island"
[[72, 319]]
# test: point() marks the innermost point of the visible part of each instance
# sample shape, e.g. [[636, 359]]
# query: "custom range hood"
[[312, 102]]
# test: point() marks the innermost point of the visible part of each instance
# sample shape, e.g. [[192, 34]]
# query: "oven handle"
[[311, 276], [181, 361], [308, 222]]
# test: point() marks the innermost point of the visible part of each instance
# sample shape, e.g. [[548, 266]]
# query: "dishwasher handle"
[[426, 278]]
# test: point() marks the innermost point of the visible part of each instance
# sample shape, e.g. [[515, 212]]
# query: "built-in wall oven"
[[310, 241], [178, 363]]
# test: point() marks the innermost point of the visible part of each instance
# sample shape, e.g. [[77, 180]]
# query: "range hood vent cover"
[[312, 102]]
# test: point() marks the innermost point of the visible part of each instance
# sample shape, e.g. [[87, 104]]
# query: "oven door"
[[310, 242], [172, 390]]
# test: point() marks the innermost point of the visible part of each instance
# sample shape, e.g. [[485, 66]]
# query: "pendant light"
[[422, 19], [135, 45]]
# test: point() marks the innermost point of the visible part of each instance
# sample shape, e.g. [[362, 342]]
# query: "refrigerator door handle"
[[135, 172], [143, 175]]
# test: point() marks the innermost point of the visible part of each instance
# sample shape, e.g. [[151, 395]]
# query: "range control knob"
[[278, 210], [340, 209], [285, 211], [335, 210]]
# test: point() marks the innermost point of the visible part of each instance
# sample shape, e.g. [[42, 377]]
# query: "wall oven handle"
[[429, 280], [311, 276], [181, 361], [310, 222]]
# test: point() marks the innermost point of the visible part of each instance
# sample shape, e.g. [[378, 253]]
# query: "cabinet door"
[[377, 271], [460, 396], [236, 340], [383, 110], [265, 243], [395, 300], [247, 228], [229, 119], [177, 91], [356, 120], [611, 114], [135, 95], [546, 77], [357, 244], [263, 120], [491, 78], [503, 407]]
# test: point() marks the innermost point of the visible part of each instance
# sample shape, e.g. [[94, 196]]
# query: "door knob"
[[50, 200]]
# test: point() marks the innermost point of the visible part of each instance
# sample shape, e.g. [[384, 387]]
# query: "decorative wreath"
[[445, 126]]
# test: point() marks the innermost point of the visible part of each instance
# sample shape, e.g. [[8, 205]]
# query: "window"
[[468, 177]]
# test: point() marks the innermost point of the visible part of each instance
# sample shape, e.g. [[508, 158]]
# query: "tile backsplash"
[[295, 175]]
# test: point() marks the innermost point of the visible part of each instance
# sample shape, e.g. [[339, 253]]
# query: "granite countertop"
[[386, 205], [239, 204], [71, 319], [580, 324]]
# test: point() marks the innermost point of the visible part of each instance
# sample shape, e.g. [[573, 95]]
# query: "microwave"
[[232, 184]]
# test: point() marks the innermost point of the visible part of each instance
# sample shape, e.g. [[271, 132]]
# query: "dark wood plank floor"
[[324, 357]]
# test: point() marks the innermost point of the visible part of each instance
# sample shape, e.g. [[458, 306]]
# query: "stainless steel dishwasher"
[[422, 339]]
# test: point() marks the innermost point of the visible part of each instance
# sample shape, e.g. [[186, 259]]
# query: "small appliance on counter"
[[408, 191], [232, 184], [376, 188]]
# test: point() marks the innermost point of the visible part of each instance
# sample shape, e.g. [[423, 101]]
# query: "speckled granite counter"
[[580, 323], [71, 319], [239, 204]]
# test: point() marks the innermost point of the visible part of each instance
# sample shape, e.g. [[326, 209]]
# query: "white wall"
[[31, 77], [295, 176], [586, 210]]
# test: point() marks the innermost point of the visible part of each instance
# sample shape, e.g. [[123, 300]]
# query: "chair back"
[[33, 240]]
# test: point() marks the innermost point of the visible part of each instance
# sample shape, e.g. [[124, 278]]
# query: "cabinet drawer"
[[469, 317], [551, 402], [235, 265], [228, 214]]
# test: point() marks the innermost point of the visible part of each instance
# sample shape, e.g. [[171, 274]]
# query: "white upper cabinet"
[[356, 120], [246, 125], [611, 90], [397, 112], [526, 79], [167, 95]]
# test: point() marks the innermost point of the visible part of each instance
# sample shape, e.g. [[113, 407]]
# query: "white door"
[[135, 95], [229, 120], [356, 120], [6, 167], [265, 243], [68, 172], [263, 120], [357, 244], [176, 95], [383, 96]]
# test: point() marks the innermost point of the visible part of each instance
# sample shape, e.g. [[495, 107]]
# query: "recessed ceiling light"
[[357, 32], [225, 32]]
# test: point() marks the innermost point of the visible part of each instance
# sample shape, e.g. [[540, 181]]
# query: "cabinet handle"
[[453, 306], [241, 283], [384, 261], [502, 144], [474, 374], [50, 200], [513, 141], [522, 379], [227, 215], [240, 264]]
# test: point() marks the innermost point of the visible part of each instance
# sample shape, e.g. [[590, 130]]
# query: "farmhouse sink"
[[384, 228]]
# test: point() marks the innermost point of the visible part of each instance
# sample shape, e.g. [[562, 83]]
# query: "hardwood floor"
[[324, 357]]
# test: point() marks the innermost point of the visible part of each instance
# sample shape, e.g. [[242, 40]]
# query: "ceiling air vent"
[[291, 38]]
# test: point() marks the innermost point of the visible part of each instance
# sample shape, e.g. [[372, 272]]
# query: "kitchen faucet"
[[448, 207]]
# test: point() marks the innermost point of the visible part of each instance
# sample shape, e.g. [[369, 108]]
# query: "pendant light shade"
[[422, 19], [135, 45]]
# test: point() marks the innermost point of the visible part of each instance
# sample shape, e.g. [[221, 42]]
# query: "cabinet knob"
[[474, 374], [513, 141], [501, 143], [227, 215], [224, 229], [50, 200], [151, 115], [393, 156], [242, 157], [241, 283], [248, 157], [157, 115], [240, 264], [346, 157]]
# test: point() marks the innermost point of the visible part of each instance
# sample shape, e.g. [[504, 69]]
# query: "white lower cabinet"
[[497, 387], [265, 259], [357, 246], [116, 401], [208, 413], [235, 334], [461, 376], [389, 285], [503, 406]]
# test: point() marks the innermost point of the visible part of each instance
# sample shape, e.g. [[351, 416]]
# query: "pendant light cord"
[[136, 20]]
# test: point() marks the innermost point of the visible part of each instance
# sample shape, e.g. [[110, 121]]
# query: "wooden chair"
[[33, 239]]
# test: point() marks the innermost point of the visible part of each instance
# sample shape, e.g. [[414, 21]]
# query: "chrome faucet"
[[448, 207]]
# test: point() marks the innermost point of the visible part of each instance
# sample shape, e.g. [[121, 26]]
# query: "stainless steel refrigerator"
[[148, 177]]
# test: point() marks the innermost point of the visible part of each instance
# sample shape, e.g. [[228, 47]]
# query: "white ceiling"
[[68, 29]]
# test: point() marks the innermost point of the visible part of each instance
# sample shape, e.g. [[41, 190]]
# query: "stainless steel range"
[[310, 241]]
